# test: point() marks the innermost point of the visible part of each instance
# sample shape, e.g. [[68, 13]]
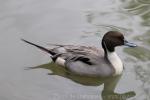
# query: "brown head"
[[113, 39]]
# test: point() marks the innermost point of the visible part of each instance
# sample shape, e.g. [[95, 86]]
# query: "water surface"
[[71, 22]]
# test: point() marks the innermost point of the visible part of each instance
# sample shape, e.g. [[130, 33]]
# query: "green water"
[[27, 74]]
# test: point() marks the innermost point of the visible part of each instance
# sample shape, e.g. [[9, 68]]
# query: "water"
[[71, 22]]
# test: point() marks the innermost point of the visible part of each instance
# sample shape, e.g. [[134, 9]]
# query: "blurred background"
[[81, 22]]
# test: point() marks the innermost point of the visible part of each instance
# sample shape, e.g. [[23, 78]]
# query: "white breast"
[[116, 62]]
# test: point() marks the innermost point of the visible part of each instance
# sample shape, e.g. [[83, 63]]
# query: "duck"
[[89, 60]]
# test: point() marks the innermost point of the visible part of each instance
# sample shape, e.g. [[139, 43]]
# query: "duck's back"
[[77, 49]]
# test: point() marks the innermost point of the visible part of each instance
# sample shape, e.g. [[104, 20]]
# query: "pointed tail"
[[40, 47]]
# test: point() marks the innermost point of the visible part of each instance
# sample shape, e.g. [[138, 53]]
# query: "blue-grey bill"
[[126, 43]]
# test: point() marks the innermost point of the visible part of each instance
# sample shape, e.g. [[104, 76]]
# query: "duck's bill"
[[129, 44]]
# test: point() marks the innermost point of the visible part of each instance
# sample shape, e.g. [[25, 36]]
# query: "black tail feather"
[[40, 47]]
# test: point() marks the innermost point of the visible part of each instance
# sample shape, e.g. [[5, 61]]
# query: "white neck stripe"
[[116, 62]]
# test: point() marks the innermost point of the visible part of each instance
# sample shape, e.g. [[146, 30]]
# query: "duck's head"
[[113, 39]]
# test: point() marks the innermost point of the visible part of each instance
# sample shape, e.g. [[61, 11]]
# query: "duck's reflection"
[[109, 83]]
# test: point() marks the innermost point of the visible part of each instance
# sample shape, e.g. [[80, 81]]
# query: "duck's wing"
[[85, 54], [76, 49]]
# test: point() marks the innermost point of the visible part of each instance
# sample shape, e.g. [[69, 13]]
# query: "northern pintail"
[[90, 61]]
